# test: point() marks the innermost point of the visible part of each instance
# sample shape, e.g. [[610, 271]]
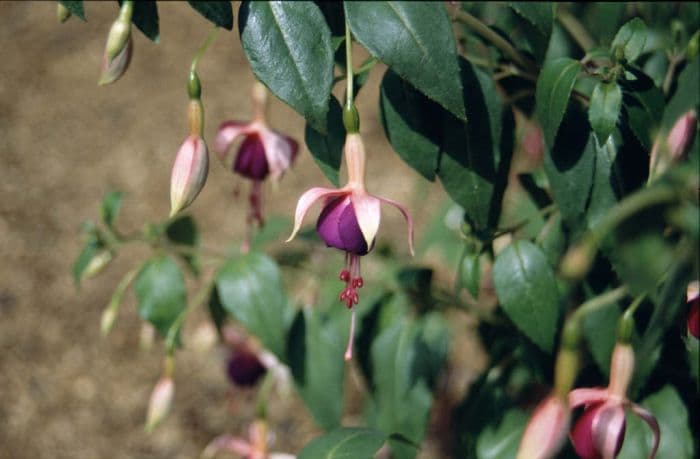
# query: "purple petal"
[[251, 161], [337, 225]]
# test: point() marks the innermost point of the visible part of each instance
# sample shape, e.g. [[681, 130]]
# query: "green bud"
[[693, 46], [351, 118], [625, 328], [62, 13], [97, 264], [565, 371], [194, 86]]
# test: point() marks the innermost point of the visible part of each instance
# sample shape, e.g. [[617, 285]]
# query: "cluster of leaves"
[[450, 97]]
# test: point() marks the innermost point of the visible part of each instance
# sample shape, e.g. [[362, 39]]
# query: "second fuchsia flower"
[[600, 430], [349, 221], [262, 152]]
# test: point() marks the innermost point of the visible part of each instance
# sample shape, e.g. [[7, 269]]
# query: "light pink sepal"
[[587, 396], [227, 134], [406, 215], [226, 443], [368, 213], [307, 200], [607, 428], [280, 151]]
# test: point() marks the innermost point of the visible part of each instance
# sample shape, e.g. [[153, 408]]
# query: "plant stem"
[[348, 64], [202, 49], [482, 29], [598, 302], [575, 29], [202, 295]]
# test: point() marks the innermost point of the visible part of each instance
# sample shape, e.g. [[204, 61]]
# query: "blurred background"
[[66, 392]]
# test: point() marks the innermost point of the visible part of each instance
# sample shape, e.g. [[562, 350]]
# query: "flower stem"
[[482, 29], [202, 49], [348, 64], [575, 29]]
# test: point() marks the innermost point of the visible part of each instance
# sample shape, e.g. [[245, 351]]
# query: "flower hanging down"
[[262, 152], [349, 221], [119, 48], [600, 430], [253, 447]]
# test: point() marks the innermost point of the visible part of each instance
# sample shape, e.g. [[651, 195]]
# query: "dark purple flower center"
[[584, 438], [251, 161], [337, 225], [244, 368]]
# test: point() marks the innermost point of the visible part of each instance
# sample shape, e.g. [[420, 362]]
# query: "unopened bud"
[[62, 13], [577, 262], [546, 432], [97, 264], [114, 67], [109, 316], [119, 47], [189, 173], [681, 137], [159, 404]]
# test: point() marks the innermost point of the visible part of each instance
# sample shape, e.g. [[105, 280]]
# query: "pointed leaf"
[[327, 149], [219, 13], [539, 14], [345, 443], [554, 87], [631, 38], [75, 7], [160, 290], [528, 292], [183, 231], [288, 45], [145, 18], [604, 109], [111, 204], [250, 289], [496, 442], [420, 47]]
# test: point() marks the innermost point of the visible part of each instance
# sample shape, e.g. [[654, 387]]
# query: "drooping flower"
[[119, 48], [672, 148], [600, 431], [546, 432], [262, 152], [159, 404], [349, 221]]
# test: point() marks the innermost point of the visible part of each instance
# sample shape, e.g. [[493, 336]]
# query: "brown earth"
[[65, 392]]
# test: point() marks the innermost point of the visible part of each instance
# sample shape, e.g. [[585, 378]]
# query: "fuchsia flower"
[[253, 447], [349, 221], [600, 430], [262, 152], [160, 401], [681, 137], [545, 434]]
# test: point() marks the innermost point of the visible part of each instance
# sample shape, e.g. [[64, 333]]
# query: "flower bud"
[[159, 404], [109, 316], [599, 432], [97, 264], [338, 227], [694, 318], [244, 368], [546, 432], [62, 13], [118, 51], [189, 173], [681, 137]]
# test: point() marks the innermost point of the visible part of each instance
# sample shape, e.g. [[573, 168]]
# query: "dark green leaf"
[[90, 249], [607, 185], [288, 45], [183, 231], [145, 18], [644, 108], [554, 87], [676, 437], [570, 167], [216, 310], [345, 443], [605, 109], [316, 345], [250, 289], [420, 47], [111, 204], [528, 292], [75, 7], [219, 13], [631, 38], [541, 16], [327, 149], [502, 441], [160, 290]]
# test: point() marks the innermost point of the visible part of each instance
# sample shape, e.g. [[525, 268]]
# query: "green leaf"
[[216, 309], [528, 292], [288, 45], [607, 186], [183, 231], [276, 229], [539, 14], [92, 246], [470, 273], [605, 109], [672, 416], [402, 399], [111, 204], [75, 7], [345, 443], [644, 108], [554, 87], [219, 13], [570, 167], [145, 18], [631, 38], [420, 47], [160, 290], [316, 345], [250, 289], [599, 328], [497, 442], [327, 149]]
